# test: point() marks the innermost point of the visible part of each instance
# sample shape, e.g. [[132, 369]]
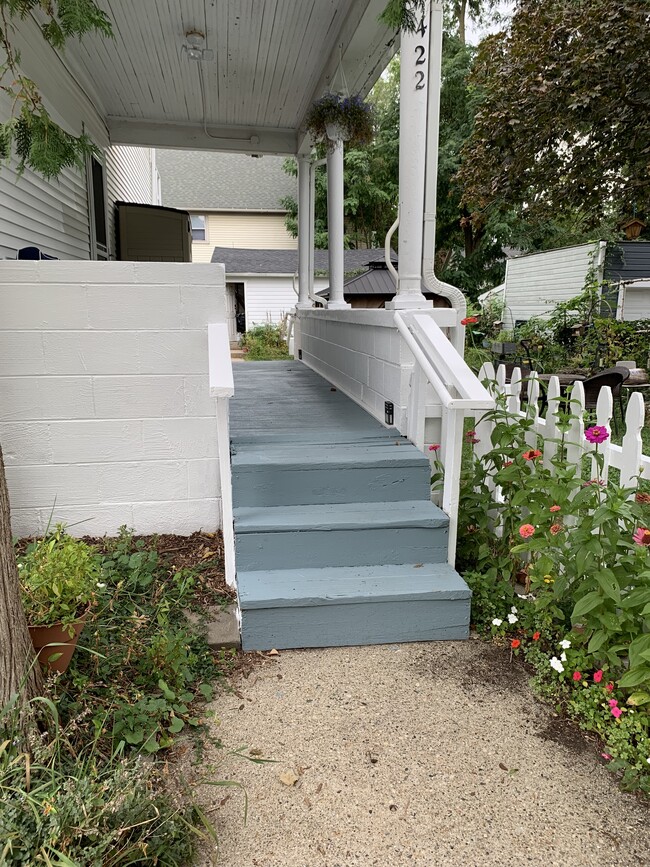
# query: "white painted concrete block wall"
[[362, 353], [105, 413]]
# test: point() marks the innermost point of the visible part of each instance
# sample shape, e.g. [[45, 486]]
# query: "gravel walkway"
[[419, 754]]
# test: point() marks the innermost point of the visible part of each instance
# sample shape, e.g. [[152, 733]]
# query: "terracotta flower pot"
[[42, 636]]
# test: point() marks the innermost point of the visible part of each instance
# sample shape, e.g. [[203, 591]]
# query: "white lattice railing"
[[457, 393], [627, 457]]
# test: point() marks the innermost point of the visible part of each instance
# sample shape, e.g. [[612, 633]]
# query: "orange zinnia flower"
[[531, 454]]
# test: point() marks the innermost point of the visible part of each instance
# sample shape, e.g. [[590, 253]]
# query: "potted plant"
[[346, 118], [59, 577]]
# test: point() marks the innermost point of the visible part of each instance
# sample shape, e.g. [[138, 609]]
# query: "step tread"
[[339, 516], [393, 453], [293, 588]]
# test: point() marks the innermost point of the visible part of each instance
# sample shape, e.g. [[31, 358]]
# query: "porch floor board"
[[337, 540]]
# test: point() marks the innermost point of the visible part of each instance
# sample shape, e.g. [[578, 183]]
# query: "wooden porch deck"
[[337, 541]]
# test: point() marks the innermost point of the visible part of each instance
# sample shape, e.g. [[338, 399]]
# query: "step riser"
[[271, 486], [320, 549], [359, 624]]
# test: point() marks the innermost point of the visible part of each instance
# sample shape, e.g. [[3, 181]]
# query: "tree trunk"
[[462, 13], [18, 670]]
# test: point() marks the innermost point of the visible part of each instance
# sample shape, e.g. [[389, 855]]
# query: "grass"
[[93, 783], [266, 343]]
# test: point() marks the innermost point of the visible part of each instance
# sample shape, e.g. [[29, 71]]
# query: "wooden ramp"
[[337, 541]]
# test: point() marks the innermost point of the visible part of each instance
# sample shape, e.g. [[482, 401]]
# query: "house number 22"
[[420, 60]]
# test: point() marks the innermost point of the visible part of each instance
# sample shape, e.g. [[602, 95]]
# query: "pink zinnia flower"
[[434, 448], [577, 675], [610, 687], [596, 434], [526, 531], [606, 756], [554, 509], [555, 529], [642, 536], [531, 454], [598, 675], [616, 712], [612, 702]]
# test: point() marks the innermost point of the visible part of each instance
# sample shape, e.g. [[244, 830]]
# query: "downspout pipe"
[[431, 282]]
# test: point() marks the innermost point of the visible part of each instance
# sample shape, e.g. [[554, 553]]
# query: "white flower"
[[564, 644], [648, 760], [513, 609], [525, 596], [100, 585], [497, 622], [563, 656], [557, 665], [512, 618]]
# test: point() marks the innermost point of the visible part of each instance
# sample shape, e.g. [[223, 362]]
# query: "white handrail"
[[458, 391], [223, 388]]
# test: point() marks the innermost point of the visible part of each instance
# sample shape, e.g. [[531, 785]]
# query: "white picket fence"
[[628, 457]]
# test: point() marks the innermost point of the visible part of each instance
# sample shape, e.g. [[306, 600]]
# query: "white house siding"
[[106, 415], [50, 215], [535, 283], [636, 301], [268, 298], [251, 231], [131, 176]]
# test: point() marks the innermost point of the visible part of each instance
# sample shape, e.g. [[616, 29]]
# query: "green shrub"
[[266, 343]]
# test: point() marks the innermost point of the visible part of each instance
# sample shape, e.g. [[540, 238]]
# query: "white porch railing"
[[457, 392], [222, 388], [628, 457]]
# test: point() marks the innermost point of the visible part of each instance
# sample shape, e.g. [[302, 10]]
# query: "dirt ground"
[[419, 754]]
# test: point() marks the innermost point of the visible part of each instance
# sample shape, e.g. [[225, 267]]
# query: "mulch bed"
[[200, 552]]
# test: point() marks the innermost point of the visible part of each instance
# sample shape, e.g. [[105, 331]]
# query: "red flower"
[[526, 531], [536, 636], [515, 643], [531, 454], [577, 675], [469, 320], [598, 675], [434, 448], [554, 509], [610, 687], [642, 536], [555, 529]]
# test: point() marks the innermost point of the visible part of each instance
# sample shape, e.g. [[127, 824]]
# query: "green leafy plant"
[[39, 142], [403, 14], [266, 343], [59, 577], [350, 113], [559, 567]]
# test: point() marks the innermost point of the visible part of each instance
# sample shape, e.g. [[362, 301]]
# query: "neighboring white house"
[[260, 283], [234, 200], [536, 282]]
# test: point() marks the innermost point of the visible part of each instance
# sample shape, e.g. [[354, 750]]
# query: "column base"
[[304, 305], [338, 305], [412, 301]]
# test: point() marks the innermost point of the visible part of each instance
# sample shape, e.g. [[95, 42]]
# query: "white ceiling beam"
[[129, 131], [363, 48]]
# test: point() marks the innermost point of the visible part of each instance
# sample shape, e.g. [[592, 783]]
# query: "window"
[[198, 227], [97, 209]]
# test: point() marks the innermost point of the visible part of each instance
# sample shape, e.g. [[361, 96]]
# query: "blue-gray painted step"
[[297, 474], [345, 534], [346, 606]]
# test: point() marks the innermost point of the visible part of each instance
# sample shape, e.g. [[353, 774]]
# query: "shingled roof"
[[238, 261], [213, 181]]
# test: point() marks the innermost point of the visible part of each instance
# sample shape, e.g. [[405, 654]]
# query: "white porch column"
[[335, 227], [414, 65], [305, 231]]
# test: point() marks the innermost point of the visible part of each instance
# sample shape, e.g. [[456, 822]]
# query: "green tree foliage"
[[38, 142], [562, 133]]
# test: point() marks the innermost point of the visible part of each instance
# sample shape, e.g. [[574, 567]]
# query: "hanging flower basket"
[[346, 118]]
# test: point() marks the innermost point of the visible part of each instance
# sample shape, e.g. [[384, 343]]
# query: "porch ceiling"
[[271, 58]]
